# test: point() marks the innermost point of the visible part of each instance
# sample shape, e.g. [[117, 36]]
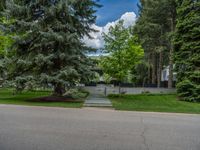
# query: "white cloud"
[[129, 19], [97, 41]]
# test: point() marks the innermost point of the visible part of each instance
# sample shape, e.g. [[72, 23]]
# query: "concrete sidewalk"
[[97, 100]]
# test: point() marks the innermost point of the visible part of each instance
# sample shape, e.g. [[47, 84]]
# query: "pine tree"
[[48, 47], [155, 23], [187, 49]]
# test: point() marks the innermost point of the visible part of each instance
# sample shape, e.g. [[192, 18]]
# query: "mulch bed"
[[54, 99]]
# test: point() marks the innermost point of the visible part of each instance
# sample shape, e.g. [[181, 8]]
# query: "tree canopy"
[[187, 49], [124, 52], [48, 47], [155, 23]]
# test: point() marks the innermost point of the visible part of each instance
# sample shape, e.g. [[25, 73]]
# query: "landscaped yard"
[[153, 103], [7, 97]]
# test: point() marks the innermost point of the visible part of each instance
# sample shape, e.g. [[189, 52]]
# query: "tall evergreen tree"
[[48, 45], [187, 49], [147, 32], [171, 21], [156, 21]]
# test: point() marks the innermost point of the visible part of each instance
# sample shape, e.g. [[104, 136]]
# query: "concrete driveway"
[[40, 128]]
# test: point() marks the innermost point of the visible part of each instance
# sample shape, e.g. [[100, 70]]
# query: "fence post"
[[105, 91]]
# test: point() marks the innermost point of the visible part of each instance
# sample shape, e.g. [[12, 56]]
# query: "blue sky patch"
[[114, 9]]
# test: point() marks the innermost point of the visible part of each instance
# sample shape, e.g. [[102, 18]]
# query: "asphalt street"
[[43, 128]]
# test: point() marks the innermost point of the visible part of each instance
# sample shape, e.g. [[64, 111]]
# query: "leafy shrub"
[[188, 91], [83, 91], [76, 93]]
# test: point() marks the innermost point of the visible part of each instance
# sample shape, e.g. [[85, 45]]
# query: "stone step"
[[97, 102], [97, 105]]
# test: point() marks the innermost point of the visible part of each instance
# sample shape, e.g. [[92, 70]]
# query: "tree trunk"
[[153, 68], [160, 69], [119, 87], [149, 71], [59, 89], [170, 78], [143, 82], [171, 54]]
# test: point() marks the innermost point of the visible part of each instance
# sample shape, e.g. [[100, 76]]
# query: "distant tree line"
[[154, 27], [169, 31]]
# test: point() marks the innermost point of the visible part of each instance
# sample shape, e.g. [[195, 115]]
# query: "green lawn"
[[153, 103], [6, 97]]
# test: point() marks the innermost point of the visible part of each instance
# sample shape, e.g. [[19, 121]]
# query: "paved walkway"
[[97, 100]]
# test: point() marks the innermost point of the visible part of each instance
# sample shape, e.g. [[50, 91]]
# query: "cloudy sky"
[[108, 15]]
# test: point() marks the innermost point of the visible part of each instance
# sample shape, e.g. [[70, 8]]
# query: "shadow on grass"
[[38, 98]]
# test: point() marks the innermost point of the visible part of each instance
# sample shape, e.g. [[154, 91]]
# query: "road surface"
[[43, 128]]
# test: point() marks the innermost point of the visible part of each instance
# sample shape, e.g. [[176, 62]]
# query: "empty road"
[[43, 128]]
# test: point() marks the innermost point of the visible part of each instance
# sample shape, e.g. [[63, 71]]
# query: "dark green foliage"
[[188, 91], [155, 23], [2, 5], [140, 73], [185, 89], [48, 43], [187, 49], [5, 44]]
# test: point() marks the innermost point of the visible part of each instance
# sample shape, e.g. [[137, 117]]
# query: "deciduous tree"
[[124, 51]]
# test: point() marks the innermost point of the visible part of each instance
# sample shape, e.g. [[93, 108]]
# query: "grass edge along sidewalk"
[[153, 103]]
